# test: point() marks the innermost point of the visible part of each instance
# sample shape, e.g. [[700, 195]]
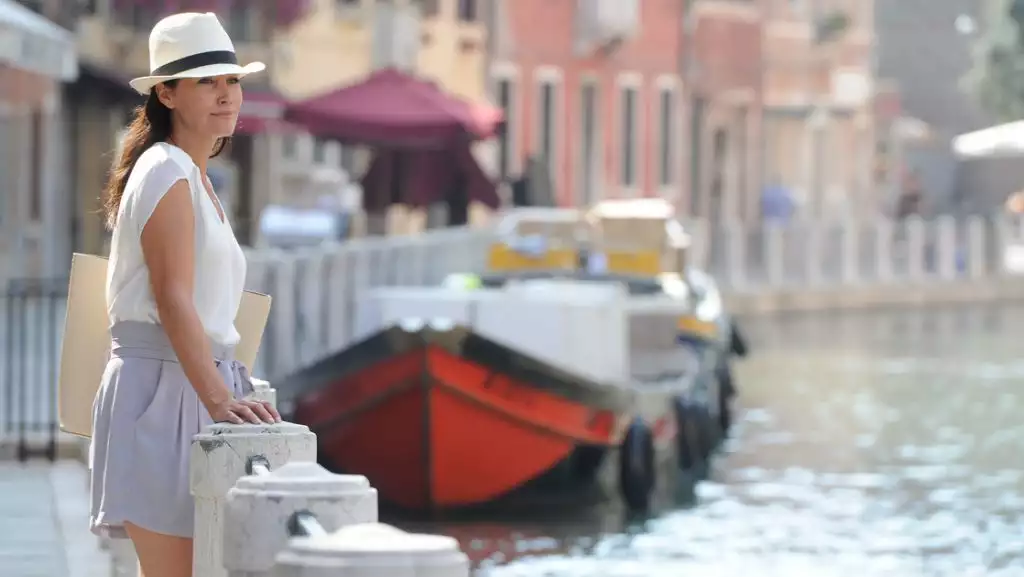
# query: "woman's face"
[[206, 106]]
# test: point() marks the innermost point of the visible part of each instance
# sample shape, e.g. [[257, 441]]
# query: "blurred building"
[[700, 101], [310, 48], [453, 46], [819, 104], [926, 48], [36, 56], [725, 104], [592, 89]]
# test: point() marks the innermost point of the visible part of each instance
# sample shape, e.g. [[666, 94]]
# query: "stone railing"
[[747, 258], [265, 508], [317, 290]]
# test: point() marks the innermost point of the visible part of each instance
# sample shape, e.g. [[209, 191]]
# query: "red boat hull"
[[433, 428]]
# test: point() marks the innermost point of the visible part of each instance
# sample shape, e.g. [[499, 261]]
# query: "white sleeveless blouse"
[[219, 260]]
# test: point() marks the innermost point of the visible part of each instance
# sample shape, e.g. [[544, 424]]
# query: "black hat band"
[[196, 61]]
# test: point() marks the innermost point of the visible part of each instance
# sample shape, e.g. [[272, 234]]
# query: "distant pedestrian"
[[174, 286], [911, 200]]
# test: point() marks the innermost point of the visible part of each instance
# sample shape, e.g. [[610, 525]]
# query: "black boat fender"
[[726, 392], [737, 344], [687, 440], [697, 434], [636, 465]]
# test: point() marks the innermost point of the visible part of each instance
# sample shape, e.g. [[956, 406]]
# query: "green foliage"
[[997, 77], [831, 27]]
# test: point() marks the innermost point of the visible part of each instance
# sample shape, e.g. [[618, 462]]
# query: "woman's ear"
[[164, 93]]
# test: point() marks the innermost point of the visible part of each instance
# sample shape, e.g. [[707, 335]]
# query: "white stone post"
[[812, 251], [946, 247], [883, 251], [372, 550], [850, 251], [260, 507], [284, 313], [977, 264], [220, 456], [915, 228], [262, 391]]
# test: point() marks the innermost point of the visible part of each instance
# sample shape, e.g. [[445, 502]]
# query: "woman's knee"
[[161, 555]]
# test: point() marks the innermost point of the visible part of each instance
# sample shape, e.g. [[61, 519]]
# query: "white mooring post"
[[221, 455], [262, 391], [260, 511], [371, 550]]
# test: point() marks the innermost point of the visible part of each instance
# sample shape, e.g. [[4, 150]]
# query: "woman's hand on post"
[[240, 411]]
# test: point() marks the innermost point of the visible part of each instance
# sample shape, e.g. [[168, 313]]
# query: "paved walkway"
[[44, 515]]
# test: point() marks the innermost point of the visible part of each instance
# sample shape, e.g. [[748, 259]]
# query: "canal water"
[[868, 445]]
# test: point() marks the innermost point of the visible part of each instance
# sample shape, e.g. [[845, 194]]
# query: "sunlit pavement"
[[44, 532]]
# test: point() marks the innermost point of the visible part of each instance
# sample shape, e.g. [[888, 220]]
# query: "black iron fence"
[[31, 325]]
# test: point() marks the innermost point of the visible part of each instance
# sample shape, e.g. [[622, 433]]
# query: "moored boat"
[[546, 366]]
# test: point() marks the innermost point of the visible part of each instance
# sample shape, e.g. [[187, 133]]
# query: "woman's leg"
[[161, 555]]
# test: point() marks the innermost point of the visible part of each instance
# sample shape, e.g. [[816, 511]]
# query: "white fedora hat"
[[190, 45]]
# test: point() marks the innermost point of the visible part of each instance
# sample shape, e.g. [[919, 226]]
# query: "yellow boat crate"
[[692, 326], [642, 263], [504, 258]]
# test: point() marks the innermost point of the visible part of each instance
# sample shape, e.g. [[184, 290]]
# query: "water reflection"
[[879, 444]]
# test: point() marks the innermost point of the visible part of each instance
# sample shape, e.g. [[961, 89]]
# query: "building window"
[[137, 16], [319, 150], [290, 146], [468, 10], [719, 150], [698, 111], [348, 159], [506, 98], [546, 129], [588, 144], [243, 25], [747, 208], [430, 8], [666, 141], [628, 137], [819, 167], [38, 137]]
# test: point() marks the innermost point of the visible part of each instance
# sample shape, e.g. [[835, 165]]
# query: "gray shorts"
[[144, 417]]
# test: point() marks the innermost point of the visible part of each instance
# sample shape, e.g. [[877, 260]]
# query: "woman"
[[174, 284]]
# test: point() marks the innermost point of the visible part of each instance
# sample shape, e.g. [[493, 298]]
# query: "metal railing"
[[31, 326]]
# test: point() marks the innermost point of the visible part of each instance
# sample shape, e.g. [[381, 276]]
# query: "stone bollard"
[[260, 508], [262, 391], [372, 550], [221, 455]]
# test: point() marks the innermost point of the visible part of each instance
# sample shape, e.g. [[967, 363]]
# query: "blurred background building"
[[37, 58], [735, 110], [311, 48]]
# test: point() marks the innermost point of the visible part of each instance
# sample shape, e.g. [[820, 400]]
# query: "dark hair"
[[151, 124]]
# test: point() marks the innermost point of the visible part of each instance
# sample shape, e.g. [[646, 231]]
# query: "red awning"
[[422, 177], [391, 109]]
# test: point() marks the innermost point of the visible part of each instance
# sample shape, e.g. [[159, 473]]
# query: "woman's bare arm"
[[168, 247]]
